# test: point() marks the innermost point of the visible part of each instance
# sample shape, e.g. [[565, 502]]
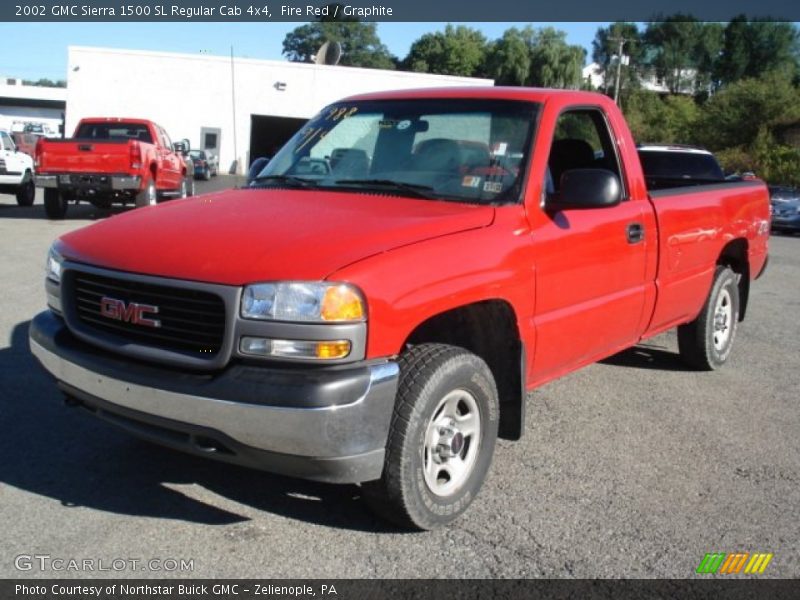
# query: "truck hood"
[[247, 235]]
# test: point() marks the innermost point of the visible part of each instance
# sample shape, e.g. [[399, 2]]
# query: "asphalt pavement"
[[633, 467]]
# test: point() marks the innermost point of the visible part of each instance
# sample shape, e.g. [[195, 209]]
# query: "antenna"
[[329, 54]]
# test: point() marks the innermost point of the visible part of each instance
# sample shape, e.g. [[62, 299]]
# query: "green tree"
[[361, 46], [662, 120], [455, 51], [734, 116], [508, 59], [753, 48], [672, 51], [554, 63], [706, 56], [776, 162], [535, 57]]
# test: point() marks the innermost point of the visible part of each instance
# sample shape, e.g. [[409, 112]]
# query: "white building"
[[23, 104], [648, 79], [237, 108]]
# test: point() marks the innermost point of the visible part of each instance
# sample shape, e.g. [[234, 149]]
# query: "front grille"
[[192, 321]]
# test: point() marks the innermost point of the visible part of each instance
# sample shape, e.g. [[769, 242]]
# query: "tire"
[[55, 204], [183, 191], [26, 192], [148, 196], [207, 174], [706, 342], [188, 181], [435, 461]]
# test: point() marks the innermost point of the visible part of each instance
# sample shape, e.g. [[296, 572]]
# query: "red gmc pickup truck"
[[376, 305], [111, 160]]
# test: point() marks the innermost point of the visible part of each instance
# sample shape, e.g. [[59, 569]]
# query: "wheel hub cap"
[[452, 443], [723, 316]]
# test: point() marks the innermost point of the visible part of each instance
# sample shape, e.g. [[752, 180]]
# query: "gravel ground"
[[634, 467]]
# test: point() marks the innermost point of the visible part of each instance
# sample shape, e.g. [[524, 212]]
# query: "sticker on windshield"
[[493, 187], [499, 149], [404, 124], [341, 112], [471, 181]]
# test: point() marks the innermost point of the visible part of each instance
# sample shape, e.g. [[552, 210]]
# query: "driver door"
[[590, 262]]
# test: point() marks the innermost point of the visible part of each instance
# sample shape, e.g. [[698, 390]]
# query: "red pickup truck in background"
[[111, 160], [376, 305]]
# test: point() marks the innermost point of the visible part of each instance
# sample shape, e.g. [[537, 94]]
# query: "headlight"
[[303, 301], [53, 267]]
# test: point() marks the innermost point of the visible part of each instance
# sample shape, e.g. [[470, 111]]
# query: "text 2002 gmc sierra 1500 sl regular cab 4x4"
[[374, 307]]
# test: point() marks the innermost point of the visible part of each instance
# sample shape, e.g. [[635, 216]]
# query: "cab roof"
[[489, 93]]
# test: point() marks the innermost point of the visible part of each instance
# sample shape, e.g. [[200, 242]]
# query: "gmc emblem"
[[133, 312]]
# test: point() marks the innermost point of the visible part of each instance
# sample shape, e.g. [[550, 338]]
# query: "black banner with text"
[[392, 10], [350, 589]]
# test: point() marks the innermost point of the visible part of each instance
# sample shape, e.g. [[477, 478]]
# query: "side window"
[[582, 140], [7, 143], [165, 139]]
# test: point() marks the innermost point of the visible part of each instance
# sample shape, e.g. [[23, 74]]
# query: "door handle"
[[635, 233]]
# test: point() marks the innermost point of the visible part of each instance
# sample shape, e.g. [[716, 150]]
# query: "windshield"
[[450, 149], [197, 154]]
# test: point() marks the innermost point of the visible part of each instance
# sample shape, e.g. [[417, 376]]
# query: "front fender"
[[408, 285]]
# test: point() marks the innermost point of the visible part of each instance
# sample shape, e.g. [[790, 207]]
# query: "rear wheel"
[[441, 440], [183, 191], [148, 196], [207, 173], [26, 192], [55, 204], [706, 342]]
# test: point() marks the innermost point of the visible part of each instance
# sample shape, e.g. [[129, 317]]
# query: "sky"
[[36, 50]]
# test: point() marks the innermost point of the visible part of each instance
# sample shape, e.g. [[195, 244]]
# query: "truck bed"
[[695, 223]]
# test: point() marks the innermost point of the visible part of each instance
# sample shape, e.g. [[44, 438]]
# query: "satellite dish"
[[329, 54]]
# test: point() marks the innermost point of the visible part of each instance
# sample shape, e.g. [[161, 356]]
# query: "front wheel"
[[706, 342], [26, 192], [55, 204], [441, 439]]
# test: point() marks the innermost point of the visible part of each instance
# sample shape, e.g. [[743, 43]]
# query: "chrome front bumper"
[[334, 438]]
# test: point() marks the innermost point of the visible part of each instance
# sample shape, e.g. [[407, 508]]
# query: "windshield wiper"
[[412, 189], [291, 179]]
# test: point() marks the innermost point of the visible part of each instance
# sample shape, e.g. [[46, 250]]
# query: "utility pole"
[[621, 41], [235, 166]]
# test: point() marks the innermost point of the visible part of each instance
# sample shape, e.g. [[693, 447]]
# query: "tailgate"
[[79, 156]]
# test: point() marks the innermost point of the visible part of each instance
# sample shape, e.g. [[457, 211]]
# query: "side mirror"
[[256, 167], [589, 188]]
